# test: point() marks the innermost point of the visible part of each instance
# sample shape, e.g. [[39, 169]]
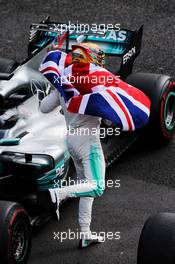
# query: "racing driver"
[[85, 148]]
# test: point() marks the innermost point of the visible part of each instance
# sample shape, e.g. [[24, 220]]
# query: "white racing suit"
[[86, 152], [107, 97]]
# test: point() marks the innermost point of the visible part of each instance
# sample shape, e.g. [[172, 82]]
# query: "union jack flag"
[[113, 99]]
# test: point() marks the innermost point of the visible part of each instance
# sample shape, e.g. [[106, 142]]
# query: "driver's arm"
[[50, 102]]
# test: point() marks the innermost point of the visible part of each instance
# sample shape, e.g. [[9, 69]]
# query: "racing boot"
[[88, 238]]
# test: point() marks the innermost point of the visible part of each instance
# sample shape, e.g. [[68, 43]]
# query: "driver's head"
[[87, 53]]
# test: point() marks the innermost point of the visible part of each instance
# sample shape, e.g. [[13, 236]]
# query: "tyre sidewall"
[[167, 134], [156, 87], [13, 216]]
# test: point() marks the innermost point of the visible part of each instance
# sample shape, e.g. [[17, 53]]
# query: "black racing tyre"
[[7, 65], [161, 91], [157, 240], [15, 234]]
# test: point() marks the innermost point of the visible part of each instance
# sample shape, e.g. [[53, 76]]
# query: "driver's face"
[[79, 56]]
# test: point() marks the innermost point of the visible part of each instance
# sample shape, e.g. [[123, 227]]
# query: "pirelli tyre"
[[161, 91], [157, 240], [15, 235]]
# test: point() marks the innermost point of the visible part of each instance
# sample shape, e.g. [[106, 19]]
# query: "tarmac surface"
[[147, 176]]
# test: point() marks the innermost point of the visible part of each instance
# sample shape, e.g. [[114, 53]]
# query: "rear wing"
[[122, 43]]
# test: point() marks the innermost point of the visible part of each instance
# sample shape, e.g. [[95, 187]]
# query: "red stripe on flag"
[[74, 104], [50, 68], [122, 107], [68, 60], [137, 94]]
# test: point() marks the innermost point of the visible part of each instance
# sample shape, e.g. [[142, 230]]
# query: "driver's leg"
[[89, 157]]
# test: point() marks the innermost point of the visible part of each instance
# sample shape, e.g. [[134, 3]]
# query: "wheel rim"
[[20, 240], [169, 111]]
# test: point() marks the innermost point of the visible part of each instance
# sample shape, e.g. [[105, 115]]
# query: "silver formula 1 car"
[[33, 153]]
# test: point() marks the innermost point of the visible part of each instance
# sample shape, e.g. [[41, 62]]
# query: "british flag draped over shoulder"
[[92, 90]]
